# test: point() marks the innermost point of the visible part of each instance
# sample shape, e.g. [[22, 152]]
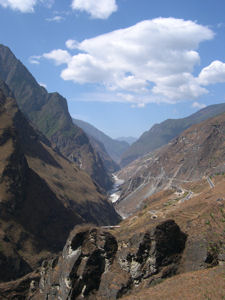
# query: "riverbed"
[[114, 194]]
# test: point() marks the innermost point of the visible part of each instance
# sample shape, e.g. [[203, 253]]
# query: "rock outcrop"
[[93, 265]]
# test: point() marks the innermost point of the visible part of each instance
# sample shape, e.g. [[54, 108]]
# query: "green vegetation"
[[212, 216]]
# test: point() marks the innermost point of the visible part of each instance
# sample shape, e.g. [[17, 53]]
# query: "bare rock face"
[[94, 266], [87, 255]]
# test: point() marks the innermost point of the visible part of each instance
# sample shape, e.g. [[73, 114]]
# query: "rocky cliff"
[[49, 112], [94, 265]]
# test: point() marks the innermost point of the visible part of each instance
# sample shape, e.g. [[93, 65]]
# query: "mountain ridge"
[[49, 112], [160, 134], [113, 147], [198, 151]]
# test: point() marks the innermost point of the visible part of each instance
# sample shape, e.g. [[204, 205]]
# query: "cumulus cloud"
[[98, 9], [150, 61], [25, 6], [59, 56], [198, 105], [214, 73]]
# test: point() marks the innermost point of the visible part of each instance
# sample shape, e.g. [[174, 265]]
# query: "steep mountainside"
[[110, 165], [199, 151], [49, 112], [161, 134], [42, 194], [173, 247], [114, 148], [140, 258]]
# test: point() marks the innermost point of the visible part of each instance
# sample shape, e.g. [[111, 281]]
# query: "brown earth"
[[206, 284]]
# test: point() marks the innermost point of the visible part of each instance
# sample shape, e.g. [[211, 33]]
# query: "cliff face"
[[94, 265], [49, 112], [42, 194]]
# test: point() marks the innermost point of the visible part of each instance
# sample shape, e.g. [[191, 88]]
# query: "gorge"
[[74, 224]]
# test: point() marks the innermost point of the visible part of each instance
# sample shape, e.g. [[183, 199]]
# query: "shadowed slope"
[[49, 112]]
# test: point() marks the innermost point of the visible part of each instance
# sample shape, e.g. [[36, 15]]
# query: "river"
[[114, 194]]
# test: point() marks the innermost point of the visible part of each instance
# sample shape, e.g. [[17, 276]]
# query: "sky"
[[122, 65]]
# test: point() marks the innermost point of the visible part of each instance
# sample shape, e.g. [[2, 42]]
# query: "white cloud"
[[152, 61], [198, 105], [214, 73], [59, 56], [99, 9], [25, 6], [55, 19], [72, 44], [21, 5], [35, 59]]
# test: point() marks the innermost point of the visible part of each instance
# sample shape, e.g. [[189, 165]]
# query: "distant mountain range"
[[113, 147], [130, 140], [49, 112], [161, 134]]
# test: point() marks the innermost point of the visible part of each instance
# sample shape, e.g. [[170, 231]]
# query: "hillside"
[[110, 165], [170, 251], [199, 151], [113, 147], [42, 194], [49, 112], [161, 134], [176, 235]]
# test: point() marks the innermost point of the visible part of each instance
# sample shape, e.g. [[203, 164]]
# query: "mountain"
[[129, 139], [49, 112], [139, 258], [199, 151], [113, 147], [110, 165], [178, 230], [161, 134], [42, 194]]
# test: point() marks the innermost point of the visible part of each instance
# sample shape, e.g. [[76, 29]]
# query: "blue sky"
[[122, 65]]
